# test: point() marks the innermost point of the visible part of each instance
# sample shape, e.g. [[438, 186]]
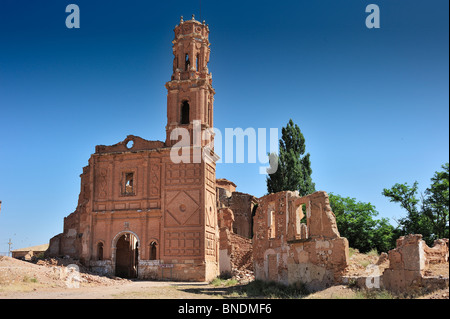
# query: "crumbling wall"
[[226, 185], [225, 218], [410, 260], [296, 239], [235, 251], [70, 241], [225, 249], [241, 204], [225, 223], [67, 243], [438, 254]]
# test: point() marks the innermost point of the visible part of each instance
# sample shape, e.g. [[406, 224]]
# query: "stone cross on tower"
[[190, 95]]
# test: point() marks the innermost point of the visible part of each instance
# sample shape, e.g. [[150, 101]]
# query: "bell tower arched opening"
[[184, 113]]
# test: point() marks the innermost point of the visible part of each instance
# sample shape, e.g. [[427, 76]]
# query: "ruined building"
[[242, 205], [296, 240], [139, 213], [409, 264]]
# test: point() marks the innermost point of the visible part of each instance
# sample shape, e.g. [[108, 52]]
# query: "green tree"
[[294, 168], [355, 221], [436, 203], [416, 222], [385, 235], [429, 214]]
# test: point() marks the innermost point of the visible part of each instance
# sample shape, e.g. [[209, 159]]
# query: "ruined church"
[[139, 214]]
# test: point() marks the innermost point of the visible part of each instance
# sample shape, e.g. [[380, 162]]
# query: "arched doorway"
[[126, 255]]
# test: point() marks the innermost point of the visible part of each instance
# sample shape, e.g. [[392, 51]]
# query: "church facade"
[[141, 214]]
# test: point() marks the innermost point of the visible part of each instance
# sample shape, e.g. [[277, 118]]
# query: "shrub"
[[259, 288]]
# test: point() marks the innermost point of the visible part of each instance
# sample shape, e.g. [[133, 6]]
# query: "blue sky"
[[373, 104]]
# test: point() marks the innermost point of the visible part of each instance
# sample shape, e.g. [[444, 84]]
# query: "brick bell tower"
[[190, 95]]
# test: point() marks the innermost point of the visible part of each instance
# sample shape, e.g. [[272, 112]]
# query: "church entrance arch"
[[126, 254]]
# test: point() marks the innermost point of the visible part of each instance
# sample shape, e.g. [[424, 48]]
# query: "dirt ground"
[[52, 279], [128, 290]]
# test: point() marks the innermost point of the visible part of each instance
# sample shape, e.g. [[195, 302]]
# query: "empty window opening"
[[100, 251], [187, 63], [129, 183], [197, 61], [152, 255], [185, 112], [130, 144], [272, 224], [301, 230], [299, 215]]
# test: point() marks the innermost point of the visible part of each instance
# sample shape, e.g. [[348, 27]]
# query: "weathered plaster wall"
[[286, 249]]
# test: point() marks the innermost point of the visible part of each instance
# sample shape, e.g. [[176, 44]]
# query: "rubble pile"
[[241, 258], [51, 272]]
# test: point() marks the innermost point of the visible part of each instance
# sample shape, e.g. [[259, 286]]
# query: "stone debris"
[[242, 258], [51, 273]]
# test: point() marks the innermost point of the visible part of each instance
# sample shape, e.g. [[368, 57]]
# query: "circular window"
[[130, 144]]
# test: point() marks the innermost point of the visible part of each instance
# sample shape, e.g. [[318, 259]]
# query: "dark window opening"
[[185, 113], [187, 63], [100, 251], [198, 59], [153, 251]]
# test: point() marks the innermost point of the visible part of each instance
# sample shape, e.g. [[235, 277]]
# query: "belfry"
[[190, 95]]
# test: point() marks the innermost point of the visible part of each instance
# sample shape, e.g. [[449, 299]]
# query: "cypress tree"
[[294, 168]]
